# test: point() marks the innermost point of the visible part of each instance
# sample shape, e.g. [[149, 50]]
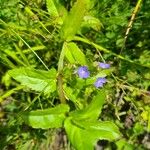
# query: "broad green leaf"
[[47, 118], [52, 8], [84, 135], [38, 80], [56, 9], [74, 54], [73, 20], [68, 54], [93, 110]]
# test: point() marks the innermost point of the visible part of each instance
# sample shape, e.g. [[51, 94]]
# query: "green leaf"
[[73, 20], [68, 54], [93, 110], [38, 80], [70, 94], [47, 118], [84, 135], [94, 23], [74, 54], [14, 57], [52, 8], [124, 145]]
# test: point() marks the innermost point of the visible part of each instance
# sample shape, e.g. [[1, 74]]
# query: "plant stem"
[[60, 89], [60, 76], [130, 23]]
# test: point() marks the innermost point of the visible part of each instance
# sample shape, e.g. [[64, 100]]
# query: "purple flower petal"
[[83, 72], [99, 82], [104, 65]]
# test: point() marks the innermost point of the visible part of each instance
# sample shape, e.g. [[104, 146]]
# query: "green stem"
[[60, 89], [60, 76], [61, 59]]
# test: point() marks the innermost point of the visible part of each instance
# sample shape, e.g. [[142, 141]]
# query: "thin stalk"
[[60, 89], [60, 75], [130, 23], [61, 59]]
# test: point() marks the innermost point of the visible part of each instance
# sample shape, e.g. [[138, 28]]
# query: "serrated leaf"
[[38, 80], [84, 135], [93, 110], [47, 118], [73, 20], [74, 54]]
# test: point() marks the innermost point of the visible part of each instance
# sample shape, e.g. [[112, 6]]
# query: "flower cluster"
[[84, 73]]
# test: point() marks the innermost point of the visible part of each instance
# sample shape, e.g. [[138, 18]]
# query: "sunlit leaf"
[[84, 135], [52, 8], [74, 54], [93, 110], [47, 118], [68, 54], [73, 20], [38, 80]]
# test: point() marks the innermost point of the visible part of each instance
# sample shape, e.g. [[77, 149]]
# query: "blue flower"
[[83, 72], [99, 82], [104, 65]]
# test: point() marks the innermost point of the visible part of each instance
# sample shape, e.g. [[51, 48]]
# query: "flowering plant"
[[76, 99]]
